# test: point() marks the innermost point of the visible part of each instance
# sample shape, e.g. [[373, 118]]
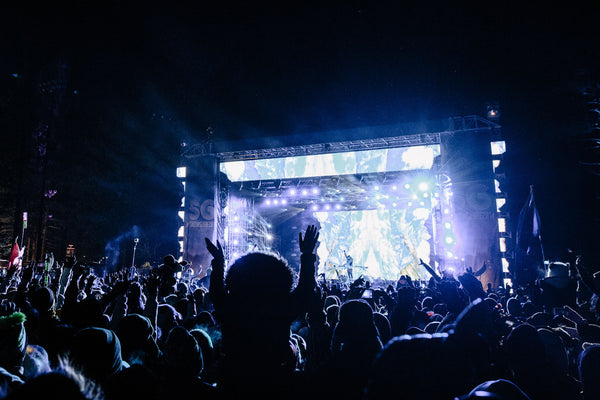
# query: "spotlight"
[[293, 192], [421, 213], [423, 186], [315, 207], [407, 186], [449, 239], [269, 236], [447, 225], [376, 187], [327, 207], [275, 201], [268, 202], [493, 111], [315, 191], [283, 201], [304, 192], [394, 187], [338, 206]]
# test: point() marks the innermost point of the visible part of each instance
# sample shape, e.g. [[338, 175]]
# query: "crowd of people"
[[258, 328]]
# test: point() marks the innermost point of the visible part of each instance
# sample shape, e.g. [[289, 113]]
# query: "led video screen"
[[351, 162], [383, 243]]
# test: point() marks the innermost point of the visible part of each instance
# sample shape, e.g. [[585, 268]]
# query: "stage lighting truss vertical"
[[181, 174], [498, 148], [443, 221], [239, 216]]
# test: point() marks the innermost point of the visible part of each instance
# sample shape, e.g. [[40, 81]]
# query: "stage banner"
[[529, 252], [199, 209], [467, 161]]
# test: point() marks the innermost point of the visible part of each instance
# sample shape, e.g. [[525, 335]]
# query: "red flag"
[[14, 255]]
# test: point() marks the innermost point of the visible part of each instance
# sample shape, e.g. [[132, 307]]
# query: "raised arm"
[[430, 270], [151, 305], [306, 279], [216, 287], [481, 270]]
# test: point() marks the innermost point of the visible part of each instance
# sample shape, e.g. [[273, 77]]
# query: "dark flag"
[[529, 254]]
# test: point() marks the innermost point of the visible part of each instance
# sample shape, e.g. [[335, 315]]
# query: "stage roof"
[[363, 138]]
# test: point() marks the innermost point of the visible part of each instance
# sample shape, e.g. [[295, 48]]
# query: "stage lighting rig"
[[493, 111]]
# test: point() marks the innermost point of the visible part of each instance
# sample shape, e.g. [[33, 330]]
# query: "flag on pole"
[[529, 253], [14, 255]]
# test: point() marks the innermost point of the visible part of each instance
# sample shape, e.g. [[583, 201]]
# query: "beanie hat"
[[13, 340], [97, 351], [182, 352]]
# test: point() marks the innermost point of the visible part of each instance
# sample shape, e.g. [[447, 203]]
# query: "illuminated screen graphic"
[[383, 243], [352, 162]]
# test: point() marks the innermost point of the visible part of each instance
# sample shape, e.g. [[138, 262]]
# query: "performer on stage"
[[348, 265]]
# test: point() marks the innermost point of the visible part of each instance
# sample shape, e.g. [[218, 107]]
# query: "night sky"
[[139, 80]]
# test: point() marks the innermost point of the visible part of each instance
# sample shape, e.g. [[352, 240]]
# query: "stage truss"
[[254, 193]]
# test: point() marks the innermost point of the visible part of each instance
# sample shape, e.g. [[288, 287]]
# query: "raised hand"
[[215, 251], [89, 284], [152, 283], [49, 260], [27, 273], [481, 270], [216, 286], [131, 273], [308, 243], [430, 270]]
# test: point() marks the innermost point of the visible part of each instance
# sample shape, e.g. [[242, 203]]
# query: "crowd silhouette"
[[259, 328]]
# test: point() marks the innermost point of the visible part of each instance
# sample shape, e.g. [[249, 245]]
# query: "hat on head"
[[182, 352], [170, 264], [97, 352], [13, 339], [558, 274], [136, 333]]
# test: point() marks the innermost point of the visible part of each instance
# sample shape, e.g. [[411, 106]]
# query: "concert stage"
[[387, 196]]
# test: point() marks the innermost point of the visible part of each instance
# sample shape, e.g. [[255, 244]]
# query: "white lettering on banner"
[[207, 210], [194, 210], [201, 224]]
